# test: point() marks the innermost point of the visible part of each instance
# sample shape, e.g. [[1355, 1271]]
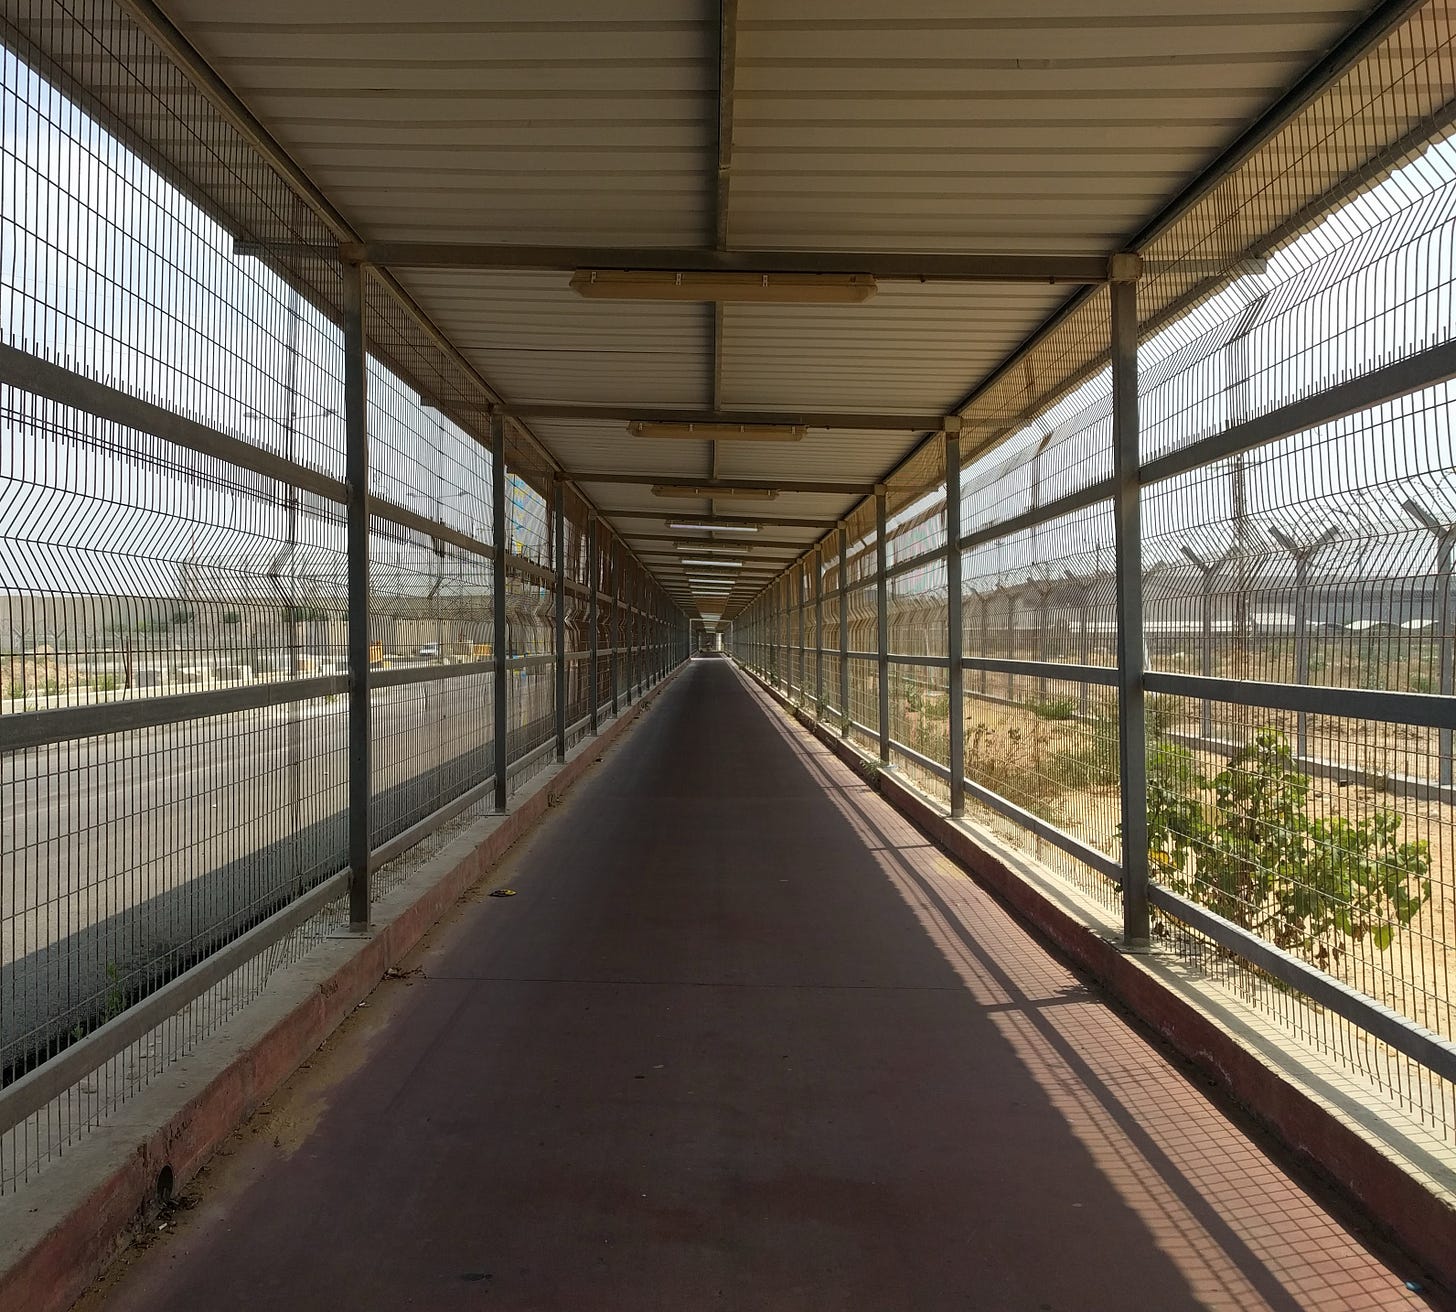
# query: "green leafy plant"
[[1054, 708], [1310, 884], [104, 683]]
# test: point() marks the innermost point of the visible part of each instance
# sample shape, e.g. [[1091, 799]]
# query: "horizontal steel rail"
[[1060, 838], [41, 728], [1104, 675], [1425, 369], [935, 556], [401, 675], [35, 1089], [920, 759], [1390, 1027], [927, 662], [1428, 710], [1090, 495], [66, 387], [1415, 373]]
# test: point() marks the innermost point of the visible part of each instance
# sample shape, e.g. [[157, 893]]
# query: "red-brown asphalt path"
[[744, 1040]]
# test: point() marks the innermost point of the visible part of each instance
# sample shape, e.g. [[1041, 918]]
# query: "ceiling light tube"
[[753, 288], [716, 525], [717, 493], [710, 549], [713, 564], [720, 432]]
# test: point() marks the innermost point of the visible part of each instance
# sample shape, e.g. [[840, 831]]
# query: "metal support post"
[[616, 627], [803, 607], [560, 564], [882, 626], [629, 635], [594, 675], [356, 474], [500, 641], [1127, 515], [955, 626], [818, 632], [1445, 535], [1303, 555], [843, 633], [1207, 573]]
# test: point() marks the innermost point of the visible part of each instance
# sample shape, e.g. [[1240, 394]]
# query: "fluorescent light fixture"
[[717, 493], [754, 288], [694, 432], [709, 549], [716, 525], [714, 564]]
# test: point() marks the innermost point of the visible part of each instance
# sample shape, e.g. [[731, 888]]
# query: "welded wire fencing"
[[1250, 575], [251, 649]]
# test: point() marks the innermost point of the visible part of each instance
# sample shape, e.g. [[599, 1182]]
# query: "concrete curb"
[[112, 1175], [1399, 1204]]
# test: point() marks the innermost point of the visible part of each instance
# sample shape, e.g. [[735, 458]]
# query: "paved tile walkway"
[[744, 1040]]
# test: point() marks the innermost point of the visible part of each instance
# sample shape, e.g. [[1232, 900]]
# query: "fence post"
[[1303, 554], [593, 571], [955, 626], [1207, 571], [882, 628], [559, 491], [356, 475], [1445, 535], [843, 630], [802, 591], [498, 604], [818, 558], [615, 663], [1127, 514]]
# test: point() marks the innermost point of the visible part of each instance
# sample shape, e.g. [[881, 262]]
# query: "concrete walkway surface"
[[744, 1040]]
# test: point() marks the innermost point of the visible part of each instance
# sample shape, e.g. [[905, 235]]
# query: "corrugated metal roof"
[[926, 125]]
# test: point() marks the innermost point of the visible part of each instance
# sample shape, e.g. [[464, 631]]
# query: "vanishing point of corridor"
[[743, 1039]]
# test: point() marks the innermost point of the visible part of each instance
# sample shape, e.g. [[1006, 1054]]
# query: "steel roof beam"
[[720, 484], [906, 423], [885, 266], [659, 515]]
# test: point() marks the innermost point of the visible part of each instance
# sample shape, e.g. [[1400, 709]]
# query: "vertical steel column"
[[629, 620], [593, 645], [560, 498], [616, 626], [819, 632], [955, 626], [356, 475], [498, 603], [801, 595], [882, 628], [843, 632], [1127, 514]]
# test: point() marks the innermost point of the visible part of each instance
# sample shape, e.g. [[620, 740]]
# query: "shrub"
[[104, 683], [1309, 884], [1055, 708]]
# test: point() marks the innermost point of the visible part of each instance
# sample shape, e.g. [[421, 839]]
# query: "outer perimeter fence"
[[282, 597], [1172, 611]]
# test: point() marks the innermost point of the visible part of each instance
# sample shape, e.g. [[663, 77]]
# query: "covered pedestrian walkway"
[[745, 1039]]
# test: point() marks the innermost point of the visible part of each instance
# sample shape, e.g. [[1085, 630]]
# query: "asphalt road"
[[114, 849]]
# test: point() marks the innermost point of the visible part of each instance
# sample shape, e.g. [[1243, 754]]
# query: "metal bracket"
[[1126, 266]]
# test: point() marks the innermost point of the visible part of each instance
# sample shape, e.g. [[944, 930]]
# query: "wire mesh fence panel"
[[159, 276]]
